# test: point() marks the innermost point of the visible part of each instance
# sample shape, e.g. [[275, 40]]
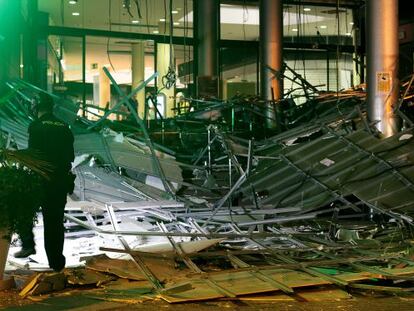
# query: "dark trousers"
[[53, 208]]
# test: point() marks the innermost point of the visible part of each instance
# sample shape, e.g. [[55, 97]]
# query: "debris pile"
[[325, 202]]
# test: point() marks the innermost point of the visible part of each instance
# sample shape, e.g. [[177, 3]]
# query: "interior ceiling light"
[[174, 12], [306, 9], [236, 15], [162, 19], [135, 21], [75, 13], [155, 31], [351, 23], [323, 26], [176, 23], [348, 34], [295, 29], [73, 1]]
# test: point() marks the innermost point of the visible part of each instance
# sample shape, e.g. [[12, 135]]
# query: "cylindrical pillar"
[[104, 89], [271, 57], [207, 32], [163, 62], [382, 64], [207, 38], [138, 74]]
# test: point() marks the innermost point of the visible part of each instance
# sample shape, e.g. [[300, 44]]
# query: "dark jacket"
[[53, 139]]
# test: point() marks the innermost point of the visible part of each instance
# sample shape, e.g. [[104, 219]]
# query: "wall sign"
[[383, 82]]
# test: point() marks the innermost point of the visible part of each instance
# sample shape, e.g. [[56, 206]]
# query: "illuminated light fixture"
[[323, 26], [21, 65], [294, 29], [73, 1], [174, 12], [75, 13], [348, 34], [351, 23], [236, 15], [155, 31], [135, 21], [162, 19], [176, 23], [306, 9]]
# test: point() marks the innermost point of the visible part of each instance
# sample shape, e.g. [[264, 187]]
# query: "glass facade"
[[312, 37]]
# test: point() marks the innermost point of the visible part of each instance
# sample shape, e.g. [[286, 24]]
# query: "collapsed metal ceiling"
[[326, 191]]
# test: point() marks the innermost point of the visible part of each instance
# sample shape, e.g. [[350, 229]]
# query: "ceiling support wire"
[[245, 20], [288, 12], [138, 6], [83, 15], [299, 33], [109, 38], [337, 51], [349, 33], [127, 5], [302, 30], [185, 34], [298, 22], [62, 13], [147, 16], [284, 12], [165, 17], [169, 80]]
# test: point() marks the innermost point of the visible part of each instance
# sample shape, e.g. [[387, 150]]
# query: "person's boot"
[[25, 252]]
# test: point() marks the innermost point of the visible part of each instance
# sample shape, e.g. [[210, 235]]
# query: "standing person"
[[53, 140]]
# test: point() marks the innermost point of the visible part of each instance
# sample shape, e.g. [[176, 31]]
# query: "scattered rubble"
[[322, 207]]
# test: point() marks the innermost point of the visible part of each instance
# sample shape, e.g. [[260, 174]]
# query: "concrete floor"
[[81, 302]]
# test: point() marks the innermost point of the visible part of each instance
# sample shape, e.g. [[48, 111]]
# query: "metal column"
[[382, 64], [207, 32], [271, 48]]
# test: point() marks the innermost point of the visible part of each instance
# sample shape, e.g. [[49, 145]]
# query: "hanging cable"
[[126, 4], [110, 29], [337, 50], [146, 16], [302, 33], [138, 6], [186, 56], [245, 20], [165, 16], [62, 13], [169, 80]]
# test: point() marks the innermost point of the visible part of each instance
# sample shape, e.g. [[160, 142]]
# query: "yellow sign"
[[383, 82]]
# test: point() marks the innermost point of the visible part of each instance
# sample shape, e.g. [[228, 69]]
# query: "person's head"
[[45, 104]]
